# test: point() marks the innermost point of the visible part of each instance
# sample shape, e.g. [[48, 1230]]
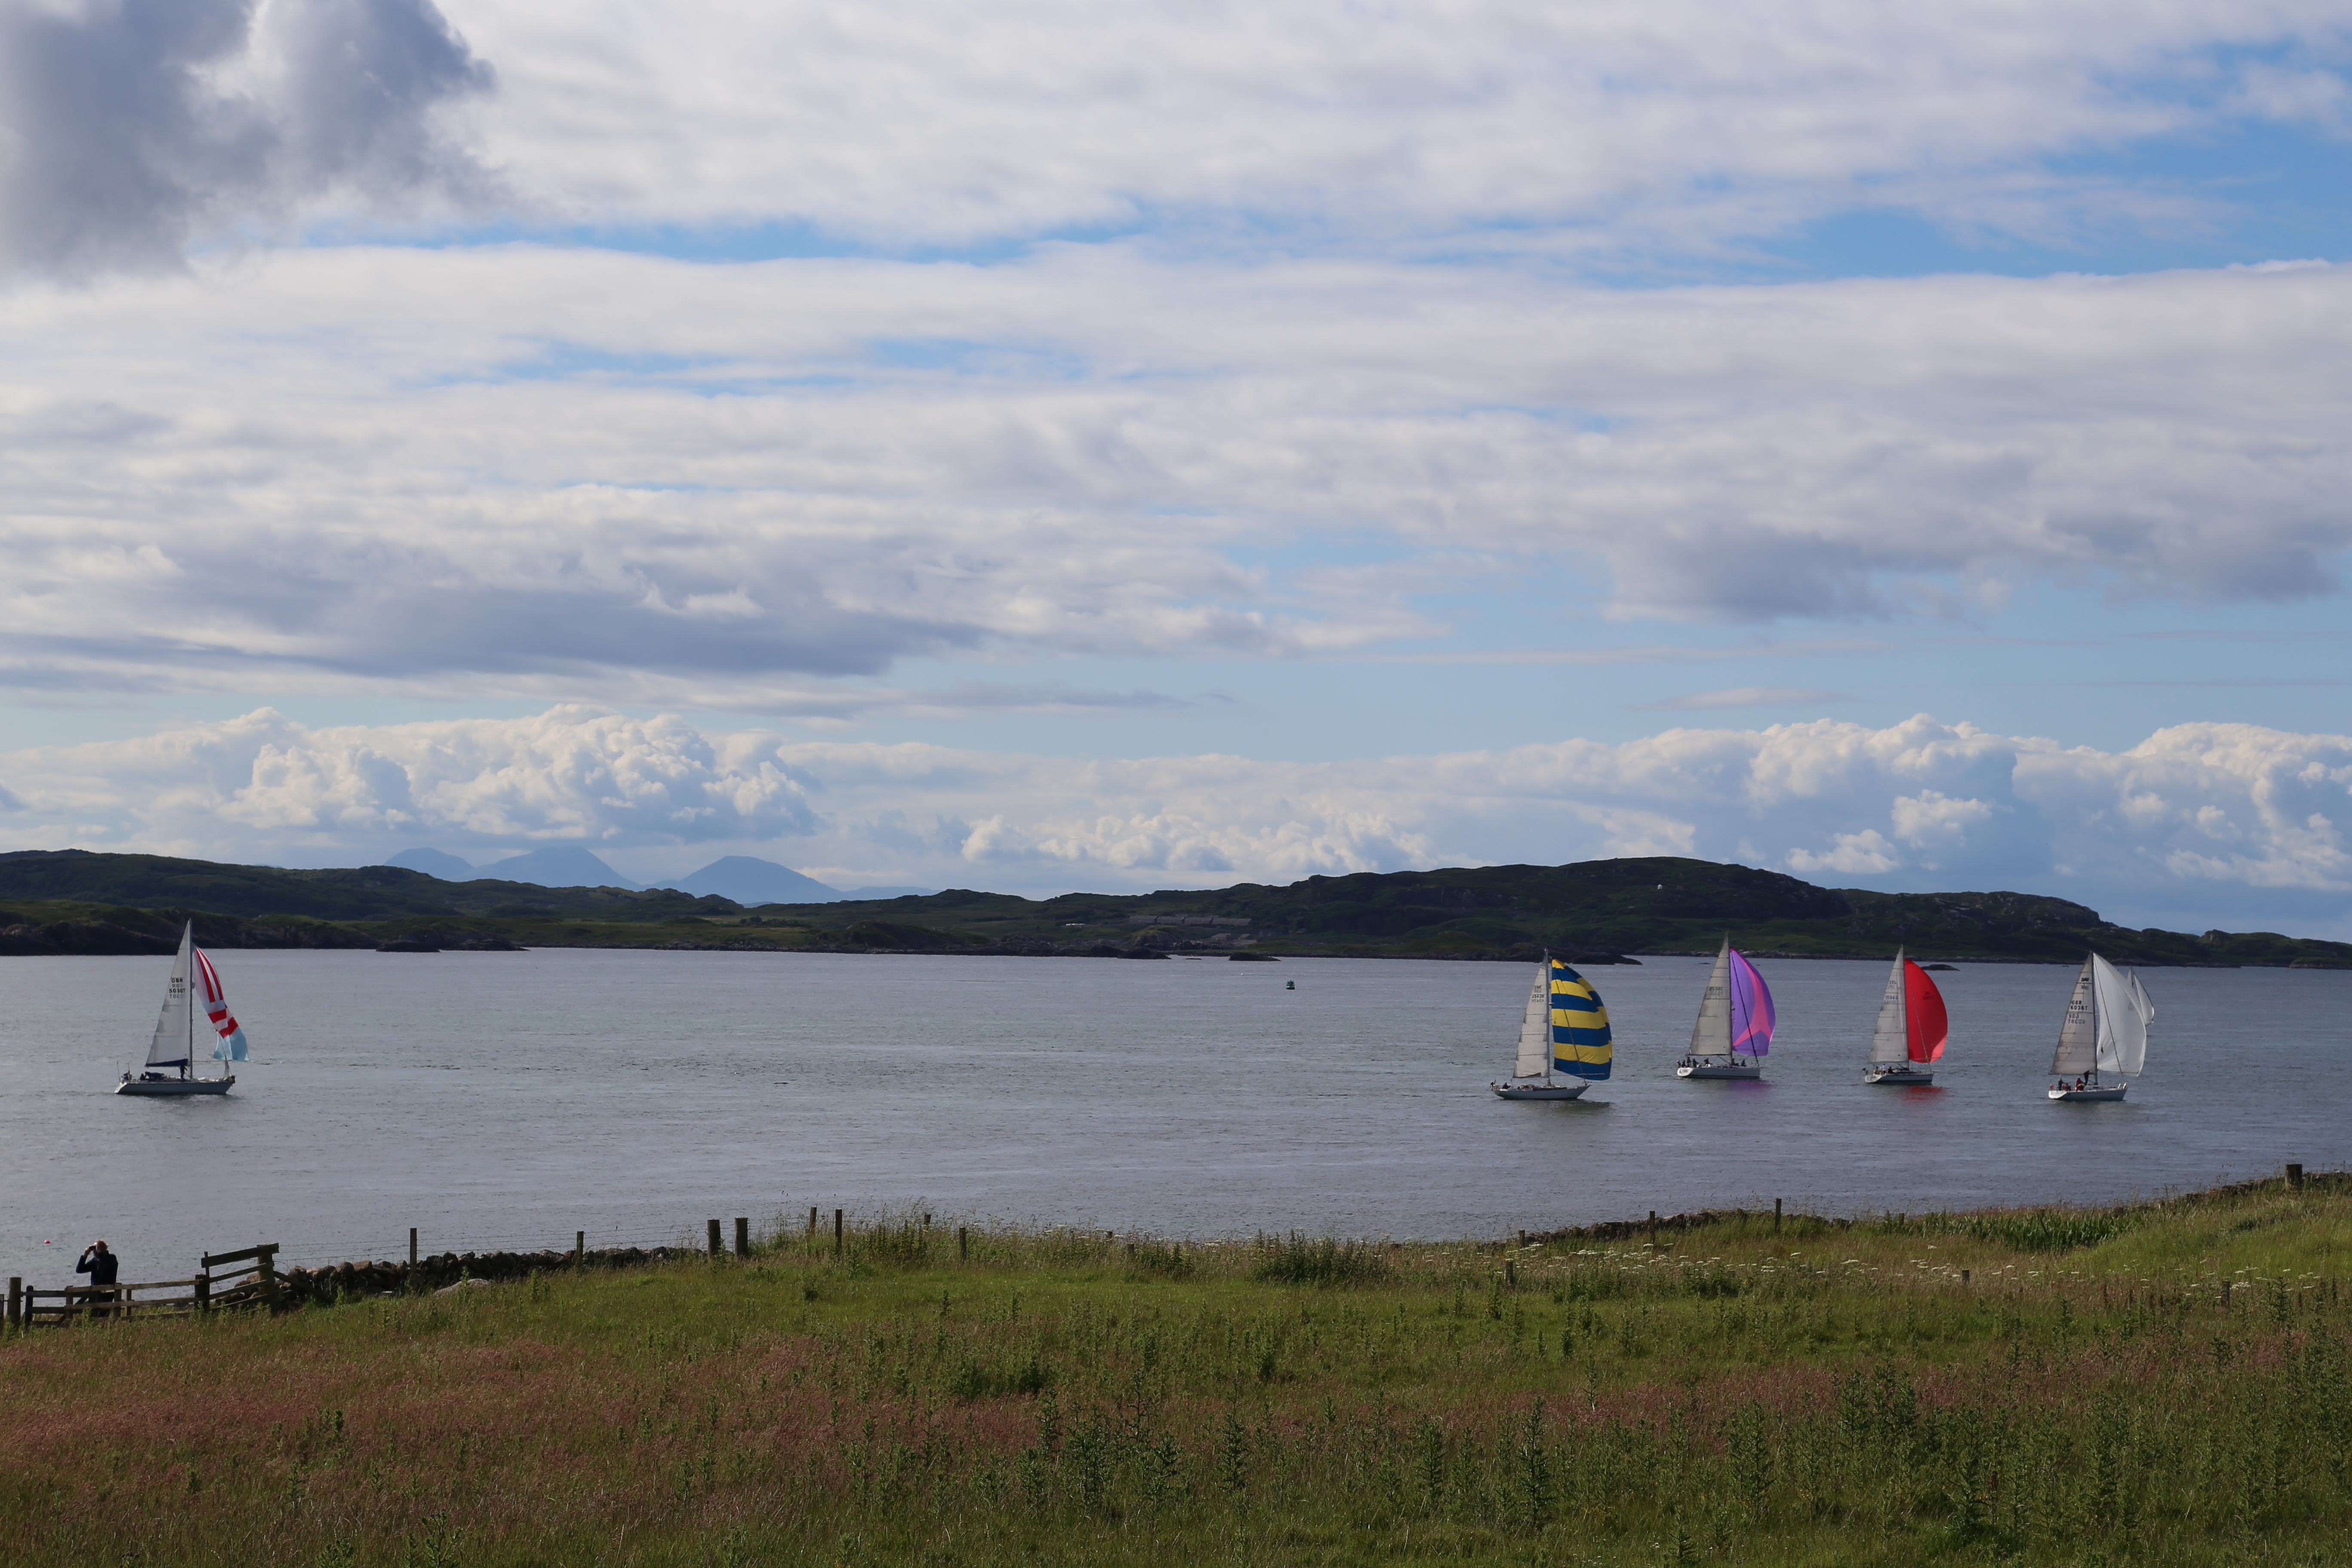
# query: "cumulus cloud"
[[2206, 824], [128, 127], [547, 475], [570, 775]]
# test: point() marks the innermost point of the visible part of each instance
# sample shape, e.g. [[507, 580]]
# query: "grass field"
[[2169, 1383]]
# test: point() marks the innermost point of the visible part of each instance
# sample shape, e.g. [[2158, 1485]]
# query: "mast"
[[1543, 982], [1535, 1027], [1891, 1040], [1543, 986], [1711, 1035], [175, 1034], [2078, 1036]]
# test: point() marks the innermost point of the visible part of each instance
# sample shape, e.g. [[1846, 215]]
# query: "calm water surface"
[[513, 1098]]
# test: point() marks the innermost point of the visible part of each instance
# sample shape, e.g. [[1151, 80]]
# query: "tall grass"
[[1062, 1399], [1300, 1259]]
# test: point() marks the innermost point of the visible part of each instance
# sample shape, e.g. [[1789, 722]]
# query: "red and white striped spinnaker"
[[209, 998]]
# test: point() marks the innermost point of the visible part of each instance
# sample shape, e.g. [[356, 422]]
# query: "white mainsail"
[[170, 1047], [1534, 1029], [1711, 1036], [1891, 1041], [2124, 1013], [2078, 1046]]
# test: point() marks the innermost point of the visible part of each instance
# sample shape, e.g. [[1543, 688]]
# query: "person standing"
[[103, 1268]]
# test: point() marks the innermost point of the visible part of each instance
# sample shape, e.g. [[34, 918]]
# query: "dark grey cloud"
[[129, 129]]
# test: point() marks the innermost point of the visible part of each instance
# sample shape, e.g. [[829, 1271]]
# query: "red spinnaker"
[[1923, 1008]]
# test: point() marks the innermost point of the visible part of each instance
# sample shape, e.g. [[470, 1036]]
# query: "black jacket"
[[101, 1267]]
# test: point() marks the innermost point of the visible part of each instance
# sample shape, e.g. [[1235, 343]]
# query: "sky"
[[1047, 444]]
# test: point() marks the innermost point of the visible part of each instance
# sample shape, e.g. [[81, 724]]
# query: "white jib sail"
[[1890, 1042], [2137, 1059], [2123, 1013], [170, 1047], [2078, 1050], [1711, 1036], [1534, 1029]]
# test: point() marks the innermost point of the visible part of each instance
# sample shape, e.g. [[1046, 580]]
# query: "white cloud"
[[1680, 121], [1679, 126], [265, 785], [1863, 854], [1930, 820], [2250, 831], [556, 475]]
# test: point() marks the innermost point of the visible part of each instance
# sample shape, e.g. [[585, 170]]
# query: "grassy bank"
[[2164, 1383]]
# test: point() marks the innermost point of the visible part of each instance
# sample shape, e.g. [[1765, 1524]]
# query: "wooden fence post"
[[963, 1244], [412, 1246], [1776, 1216], [839, 1246], [811, 1221], [578, 1247], [270, 1274], [203, 1283], [714, 1238], [16, 1299], [2295, 1176], [1654, 1228], [743, 1237]]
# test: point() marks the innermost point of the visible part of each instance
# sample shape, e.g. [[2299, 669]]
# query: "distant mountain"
[[749, 880], [434, 863], [558, 865], [883, 893]]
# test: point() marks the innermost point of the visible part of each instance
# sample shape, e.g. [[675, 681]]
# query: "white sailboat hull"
[[176, 1086], [1719, 1069], [2114, 1093], [1538, 1090], [1897, 1075]]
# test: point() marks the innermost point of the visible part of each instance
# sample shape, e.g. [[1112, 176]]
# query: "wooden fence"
[[250, 1277], [253, 1285]]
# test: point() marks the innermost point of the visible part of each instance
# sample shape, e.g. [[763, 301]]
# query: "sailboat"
[[195, 986], [1911, 1028], [1734, 1020], [2104, 1036], [1565, 1030]]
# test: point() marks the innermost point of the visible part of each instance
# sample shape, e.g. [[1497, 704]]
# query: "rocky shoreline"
[[106, 938], [331, 1283]]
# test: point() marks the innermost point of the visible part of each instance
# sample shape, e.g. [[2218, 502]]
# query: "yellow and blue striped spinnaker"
[[1580, 1025]]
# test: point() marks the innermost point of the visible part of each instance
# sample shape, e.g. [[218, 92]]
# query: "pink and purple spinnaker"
[[1751, 1008]]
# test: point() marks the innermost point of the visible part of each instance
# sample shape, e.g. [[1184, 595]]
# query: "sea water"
[[512, 1099]]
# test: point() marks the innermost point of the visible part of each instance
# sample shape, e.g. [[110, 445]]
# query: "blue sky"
[[1280, 419]]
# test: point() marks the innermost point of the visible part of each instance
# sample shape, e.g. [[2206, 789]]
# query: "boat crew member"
[[102, 1267]]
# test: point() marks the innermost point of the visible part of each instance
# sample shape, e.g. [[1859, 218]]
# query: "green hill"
[[1593, 909], [356, 893], [1660, 904]]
